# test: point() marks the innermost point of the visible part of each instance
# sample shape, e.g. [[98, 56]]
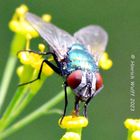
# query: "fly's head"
[[85, 83]]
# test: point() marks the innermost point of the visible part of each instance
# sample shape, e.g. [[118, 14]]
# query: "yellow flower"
[[35, 60], [73, 126], [136, 135], [19, 25], [105, 63], [46, 17], [133, 126], [74, 122]]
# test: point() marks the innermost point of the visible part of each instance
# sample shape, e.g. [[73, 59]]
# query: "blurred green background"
[[108, 110]]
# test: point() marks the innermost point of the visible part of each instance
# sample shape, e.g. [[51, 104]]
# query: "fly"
[[76, 58]]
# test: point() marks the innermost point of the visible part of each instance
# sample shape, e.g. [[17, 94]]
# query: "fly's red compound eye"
[[99, 81], [74, 79]]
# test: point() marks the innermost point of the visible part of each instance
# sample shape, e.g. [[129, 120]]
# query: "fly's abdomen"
[[80, 58]]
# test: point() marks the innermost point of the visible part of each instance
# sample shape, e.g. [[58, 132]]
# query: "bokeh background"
[[107, 112]]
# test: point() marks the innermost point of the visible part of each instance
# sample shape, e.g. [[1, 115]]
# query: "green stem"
[[129, 134], [21, 99], [34, 115], [17, 44], [12, 107], [17, 110], [55, 111], [9, 69]]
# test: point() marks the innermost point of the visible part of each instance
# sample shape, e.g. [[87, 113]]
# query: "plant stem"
[[22, 97], [17, 44], [129, 134], [9, 69], [12, 107], [17, 110], [34, 115], [18, 95]]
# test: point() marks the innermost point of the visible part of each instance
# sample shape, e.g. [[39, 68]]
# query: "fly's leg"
[[76, 107], [66, 102], [42, 53], [56, 69]]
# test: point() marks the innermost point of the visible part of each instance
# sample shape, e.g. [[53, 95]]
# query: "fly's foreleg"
[[56, 69]]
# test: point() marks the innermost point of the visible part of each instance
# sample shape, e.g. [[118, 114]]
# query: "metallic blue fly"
[[76, 58]]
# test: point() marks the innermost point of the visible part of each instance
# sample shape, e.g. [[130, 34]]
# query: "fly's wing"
[[94, 38], [58, 39]]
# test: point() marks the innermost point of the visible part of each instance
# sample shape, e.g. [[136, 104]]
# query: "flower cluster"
[[19, 25], [27, 72], [105, 62], [35, 60], [133, 126], [73, 126]]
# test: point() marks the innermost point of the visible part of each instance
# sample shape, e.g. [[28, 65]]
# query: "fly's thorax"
[[80, 58], [83, 83]]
